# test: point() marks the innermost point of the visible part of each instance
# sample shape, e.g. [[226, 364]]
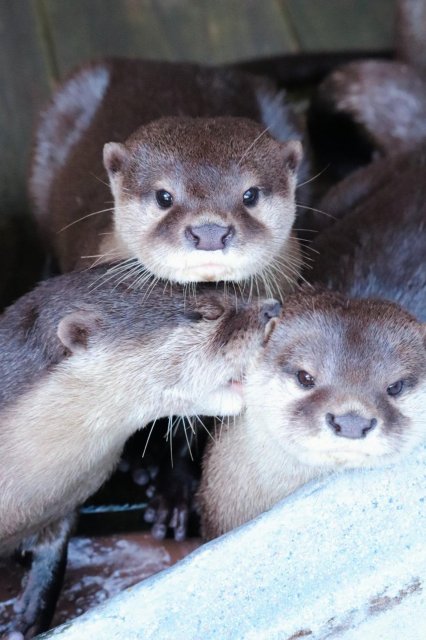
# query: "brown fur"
[[71, 341], [205, 160], [376, 106], [354, 348]]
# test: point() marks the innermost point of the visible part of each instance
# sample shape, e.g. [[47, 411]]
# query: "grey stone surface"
[[341, 558]]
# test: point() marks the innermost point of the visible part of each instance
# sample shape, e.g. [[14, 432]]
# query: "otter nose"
[[350, 425], [210, 237], [270, 309]]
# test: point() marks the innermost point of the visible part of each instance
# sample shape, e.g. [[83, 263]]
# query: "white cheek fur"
[[237, 263]]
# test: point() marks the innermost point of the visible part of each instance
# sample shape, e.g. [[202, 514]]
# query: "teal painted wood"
[[191, 30], [24, 86], [339, 25]]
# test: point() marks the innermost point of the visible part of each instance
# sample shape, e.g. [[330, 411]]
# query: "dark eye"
[[251, 196], [395, 388], [305, 379], [164, 198]]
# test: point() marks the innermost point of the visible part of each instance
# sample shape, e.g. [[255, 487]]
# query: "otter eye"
[[164, 198], [395, 388], [305, 379], [251, 196]]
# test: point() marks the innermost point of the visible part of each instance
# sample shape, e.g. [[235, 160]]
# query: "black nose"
[[209, 237], [270, 309], [350, 425]]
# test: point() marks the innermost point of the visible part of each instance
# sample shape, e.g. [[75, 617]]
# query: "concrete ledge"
[[343, 558]]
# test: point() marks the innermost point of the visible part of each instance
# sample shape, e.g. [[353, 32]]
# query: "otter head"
[[186, 354], [205, 199], [342, 382]]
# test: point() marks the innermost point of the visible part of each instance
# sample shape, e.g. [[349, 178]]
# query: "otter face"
[[211, 356], [342, 383], [205, 199], [185, 355]]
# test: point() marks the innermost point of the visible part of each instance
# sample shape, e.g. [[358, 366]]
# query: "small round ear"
[[269, 329], [292, 154], [115, 155], [75, 330]]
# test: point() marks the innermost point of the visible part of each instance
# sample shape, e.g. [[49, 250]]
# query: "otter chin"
[[341, 383]]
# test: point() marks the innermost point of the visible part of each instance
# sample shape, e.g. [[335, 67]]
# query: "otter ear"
[[76, 329], [292, 154], [115, 155], [269, 329]]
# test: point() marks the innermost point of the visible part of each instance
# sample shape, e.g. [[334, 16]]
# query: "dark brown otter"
[[342, 380], [85, 363], [200, 193]]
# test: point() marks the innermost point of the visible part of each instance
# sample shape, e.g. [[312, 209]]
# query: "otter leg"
[[46, 553], [172, 502]]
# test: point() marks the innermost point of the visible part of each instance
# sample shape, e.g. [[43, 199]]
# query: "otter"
[[202, 172], [201, 190], [341, 382], [372, 108], [85, 363]]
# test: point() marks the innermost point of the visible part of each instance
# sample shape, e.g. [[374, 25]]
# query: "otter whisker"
[[120, 266], [250, 147], [304, 206], [99, 179], [317, 175], [148, 438], [197, 417], [89, 215]]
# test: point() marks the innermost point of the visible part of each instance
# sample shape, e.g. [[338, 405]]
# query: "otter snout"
[[350, 425], [210, 237]]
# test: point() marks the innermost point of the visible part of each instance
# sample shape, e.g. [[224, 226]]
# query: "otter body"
[[342, 380], [85, 363], [200, 192], [374, 108]]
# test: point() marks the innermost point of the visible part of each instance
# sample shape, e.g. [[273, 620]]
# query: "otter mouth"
[[209, 272], [235, 385]]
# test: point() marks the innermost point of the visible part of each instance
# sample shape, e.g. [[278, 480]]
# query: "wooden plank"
[[25, 87], [192, 30], [226, 30], [331, 25]]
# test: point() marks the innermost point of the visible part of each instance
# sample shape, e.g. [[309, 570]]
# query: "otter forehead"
[[200, 153], [353, 338]]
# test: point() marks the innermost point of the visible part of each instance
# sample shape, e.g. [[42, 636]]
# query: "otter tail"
[[376, 107], [411, 33], [60, 126]]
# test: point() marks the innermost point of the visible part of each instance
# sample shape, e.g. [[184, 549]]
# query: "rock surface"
[[341, 558]]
